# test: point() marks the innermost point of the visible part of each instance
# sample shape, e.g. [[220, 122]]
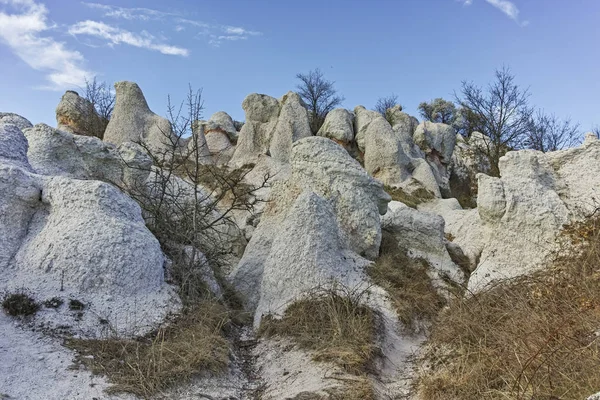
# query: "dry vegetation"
[[19, 304], [534, 337], [334, 324], [146, 366], [409, 286], [413, 199]]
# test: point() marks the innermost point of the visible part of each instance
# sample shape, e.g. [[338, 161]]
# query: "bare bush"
[[102, 98], [548, 133], [384, 104], [503, 111], [319, 95]]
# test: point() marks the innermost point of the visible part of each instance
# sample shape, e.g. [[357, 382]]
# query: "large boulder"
[[338, 126], [225, 123], [271, 127], [437, 142], [15, 119], [132, 120], [292, 125], [56, 152], [319, 168], [79, 240], [362, 119], [77, 115], [13, 146], [421, 234]]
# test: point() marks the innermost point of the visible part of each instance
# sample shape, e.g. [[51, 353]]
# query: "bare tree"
[[101, 97], [549, 133], [319, 95], [596, 131], [504, 112], [188, 202], [384, 104]]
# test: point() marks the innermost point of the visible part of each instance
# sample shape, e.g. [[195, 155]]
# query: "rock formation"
[[55, 228], [15, 119], [76, 115], [339, 127], [132, 120]]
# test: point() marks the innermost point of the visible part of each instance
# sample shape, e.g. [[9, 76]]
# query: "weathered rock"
[[13, 146], [83, 240], [132, 120], [338, 126], [292, 125], [362, 119], [197, 146], [437, 141], [307, 253], [421, 234], [56, 152], [15, 119], [77, 115], [321, 167], [262, 112], [225, 124], [468, 160], [384, 157], [519, 216]]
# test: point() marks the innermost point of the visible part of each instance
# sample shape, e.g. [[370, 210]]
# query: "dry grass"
[[534, 337], [409, 286], [333, 324], [192, 344], [413, 199]]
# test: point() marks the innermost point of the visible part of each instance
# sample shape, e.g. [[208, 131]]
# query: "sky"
[[416, 49]]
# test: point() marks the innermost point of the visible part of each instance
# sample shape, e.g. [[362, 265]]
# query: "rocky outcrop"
[[271, 127], [437, 142], [219, 132], [519, 216], [15, 119], [339, 127], [362, 120], [132, 120], [333, 184], [80, 240], [77, 115], [468, 159], [421, 235], [56, 152], [13, 146]]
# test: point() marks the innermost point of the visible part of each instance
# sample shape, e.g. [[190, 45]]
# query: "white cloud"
[[508, 8], [23, 31], [144, 14], [215, 33], [116, 36]]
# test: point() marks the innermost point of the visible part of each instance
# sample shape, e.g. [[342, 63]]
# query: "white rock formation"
[[338, 126], [15, 119], [334, 183], [271, 127], [83, 240], [56, 152], [514, 229], [421, 234], [132, 120], [77, 115], [468, 160], [437, 142]]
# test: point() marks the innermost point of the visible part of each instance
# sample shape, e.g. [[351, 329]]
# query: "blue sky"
[[417, 49]]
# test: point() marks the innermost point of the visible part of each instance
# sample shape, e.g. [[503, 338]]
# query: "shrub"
[[533, 337], [54, 302], [19, 304]]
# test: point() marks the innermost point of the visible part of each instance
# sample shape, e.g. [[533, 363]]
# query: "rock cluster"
[[77, 115]]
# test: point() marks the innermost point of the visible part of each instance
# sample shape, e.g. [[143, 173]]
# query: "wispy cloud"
[[116, 36], [215, 34], [136, 13], [508, 8], [23, 31]]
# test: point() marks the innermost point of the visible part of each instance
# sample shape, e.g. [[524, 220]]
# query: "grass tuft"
[[19, 304], [192, 344], [333, 324], [533, 337]]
